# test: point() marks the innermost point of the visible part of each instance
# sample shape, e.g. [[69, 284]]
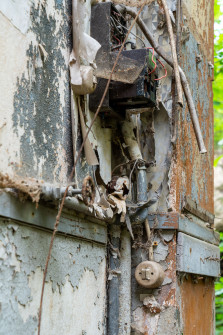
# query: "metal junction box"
[[133, 82]]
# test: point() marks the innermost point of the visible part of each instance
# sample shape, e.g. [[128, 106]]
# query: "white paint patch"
[[12, 64], [145, 323], [8, 254], [18, 12], [73, 310]]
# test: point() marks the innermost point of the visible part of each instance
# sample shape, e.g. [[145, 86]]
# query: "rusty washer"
[[88, 191]]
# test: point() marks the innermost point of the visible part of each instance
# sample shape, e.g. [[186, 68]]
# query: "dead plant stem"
[[174, 53]]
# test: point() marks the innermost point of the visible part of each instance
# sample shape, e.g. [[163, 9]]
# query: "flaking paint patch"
[[169, 322], [45, 95], [161, 251], [11, 66], [74, 264], [144, 322], [66, 308], [196, 168]]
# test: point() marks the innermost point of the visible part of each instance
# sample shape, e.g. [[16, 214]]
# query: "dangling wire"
[[164, 69], [152, 61], [118, 22]]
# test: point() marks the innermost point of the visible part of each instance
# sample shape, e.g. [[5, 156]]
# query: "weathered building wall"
[[76, 278], [192, 174], [76, 274], [37, 141], [198, 305], [35, 92]]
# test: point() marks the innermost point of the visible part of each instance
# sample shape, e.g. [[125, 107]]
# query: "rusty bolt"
[[198, 58]]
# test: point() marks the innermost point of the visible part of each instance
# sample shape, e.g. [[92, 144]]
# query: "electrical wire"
[[164, 69], [116, 38], [130, 32], [152, 61], [118, 46]]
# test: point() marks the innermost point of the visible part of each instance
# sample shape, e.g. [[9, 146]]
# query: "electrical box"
[[133, 83]]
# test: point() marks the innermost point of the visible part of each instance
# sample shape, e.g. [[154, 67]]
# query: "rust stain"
[[197, 307], [171, 220], [167, 296], [192, 173]]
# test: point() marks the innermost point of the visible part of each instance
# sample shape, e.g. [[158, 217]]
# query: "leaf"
[[219, 292], [217, 160]]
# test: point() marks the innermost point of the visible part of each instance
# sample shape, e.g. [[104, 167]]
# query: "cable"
[[152, 61], [164, 69], [116, 38], [130, 32]]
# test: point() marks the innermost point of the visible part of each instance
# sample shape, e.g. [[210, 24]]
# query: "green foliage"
[[218, 136], [217, 160], [219, 299], [218, 74]]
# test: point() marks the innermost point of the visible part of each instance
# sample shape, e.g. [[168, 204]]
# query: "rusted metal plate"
[[197, 306], [164, 220], [196, 256]]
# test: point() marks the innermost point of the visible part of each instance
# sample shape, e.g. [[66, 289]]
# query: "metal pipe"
[[113, 281], [125, 284], [142, 196], [174, 53], [148, 232], [141, 176], [52, 192]]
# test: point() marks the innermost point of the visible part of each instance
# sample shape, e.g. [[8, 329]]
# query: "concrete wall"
[[74, 298], [36, 141]]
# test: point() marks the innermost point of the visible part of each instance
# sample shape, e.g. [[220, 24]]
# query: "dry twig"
[[174, 53]]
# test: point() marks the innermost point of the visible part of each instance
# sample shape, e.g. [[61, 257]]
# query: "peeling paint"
[[75, 318], [74, 266], [38, 91]]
